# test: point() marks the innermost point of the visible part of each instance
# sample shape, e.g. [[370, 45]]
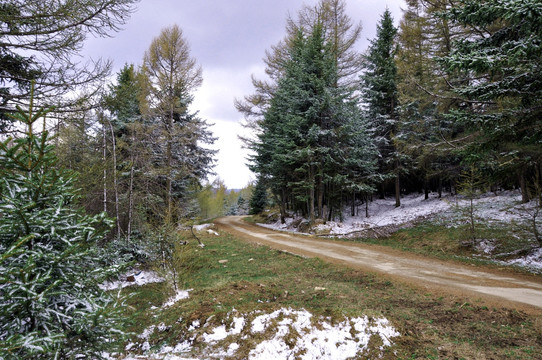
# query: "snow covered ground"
[[284, 334], [504, 208]]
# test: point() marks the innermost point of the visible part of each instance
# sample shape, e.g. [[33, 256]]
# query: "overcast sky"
[[228, 39]]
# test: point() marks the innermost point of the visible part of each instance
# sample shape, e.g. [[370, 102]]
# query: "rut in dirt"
[[474, 282]]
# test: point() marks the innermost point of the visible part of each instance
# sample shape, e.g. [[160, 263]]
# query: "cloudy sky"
[[228, 39]]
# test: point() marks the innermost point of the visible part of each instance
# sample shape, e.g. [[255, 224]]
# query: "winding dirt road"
[[493, 286]]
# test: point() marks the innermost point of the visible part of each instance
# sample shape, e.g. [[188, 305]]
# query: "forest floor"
[[240, 298]]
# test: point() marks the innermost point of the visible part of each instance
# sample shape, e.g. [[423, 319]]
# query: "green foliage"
[[258, 201], [39, 42], [313, 140], [502, 94], [50, 302]]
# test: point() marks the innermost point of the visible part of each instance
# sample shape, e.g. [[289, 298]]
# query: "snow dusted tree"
[[258, 200], [339, 31], [50, 304], [179, 157], [379, 88], [308, 145], [502, 96]]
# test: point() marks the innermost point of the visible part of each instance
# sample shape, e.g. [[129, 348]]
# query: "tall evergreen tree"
[[340, 33], [379, 88], [310, 132]]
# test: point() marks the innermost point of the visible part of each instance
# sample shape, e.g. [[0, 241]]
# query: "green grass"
[[259, 278]]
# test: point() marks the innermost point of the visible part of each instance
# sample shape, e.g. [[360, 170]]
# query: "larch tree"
[[178, 134]]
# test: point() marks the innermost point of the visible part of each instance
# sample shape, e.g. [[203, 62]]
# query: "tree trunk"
[[169, 162], [426, 189], [104, 148], [130, 200], [366, 206], [321, 214], [311, 195], [397, 191], [115, 182], [353, 208], [523, 185]]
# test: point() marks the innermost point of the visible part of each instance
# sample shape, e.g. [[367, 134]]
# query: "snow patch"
[[532, 261], [139, 278], [286, 333], [180, 295]]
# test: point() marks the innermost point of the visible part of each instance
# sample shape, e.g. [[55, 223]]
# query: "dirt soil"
[[495, 287]]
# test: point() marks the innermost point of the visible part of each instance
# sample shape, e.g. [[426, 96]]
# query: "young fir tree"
[[379, 88], [50, 266]]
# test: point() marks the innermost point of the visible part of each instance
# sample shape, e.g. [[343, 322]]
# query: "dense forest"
[[451, 96], [96, 174]]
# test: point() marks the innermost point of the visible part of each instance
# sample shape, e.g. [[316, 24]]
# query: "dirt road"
[[493, 286]]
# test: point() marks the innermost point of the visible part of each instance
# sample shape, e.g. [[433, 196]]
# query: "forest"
[[97, 173], [449, 97]]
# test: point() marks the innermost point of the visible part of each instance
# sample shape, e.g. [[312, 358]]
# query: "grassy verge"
[[439, 241], [258, 278]]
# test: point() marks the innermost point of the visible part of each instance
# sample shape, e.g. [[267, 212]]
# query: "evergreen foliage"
[[502, 97], [379, 88], [313, 141], [50, 267], [258, 201]]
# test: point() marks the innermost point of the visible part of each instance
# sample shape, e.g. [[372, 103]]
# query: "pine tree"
[[50, 267]]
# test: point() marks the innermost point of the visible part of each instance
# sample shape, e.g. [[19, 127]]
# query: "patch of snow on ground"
[[140, 278], [202, 227], [286, 334], [181, 295], [382, 212], [325, 341], [533, 261]]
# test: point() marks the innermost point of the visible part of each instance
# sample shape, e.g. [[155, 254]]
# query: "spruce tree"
[[502, 97], [314, 142], [50, 266], [258, 201], [379, 88]]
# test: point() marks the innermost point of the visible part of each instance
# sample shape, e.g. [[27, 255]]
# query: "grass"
[[449, 243], [255, 277]]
